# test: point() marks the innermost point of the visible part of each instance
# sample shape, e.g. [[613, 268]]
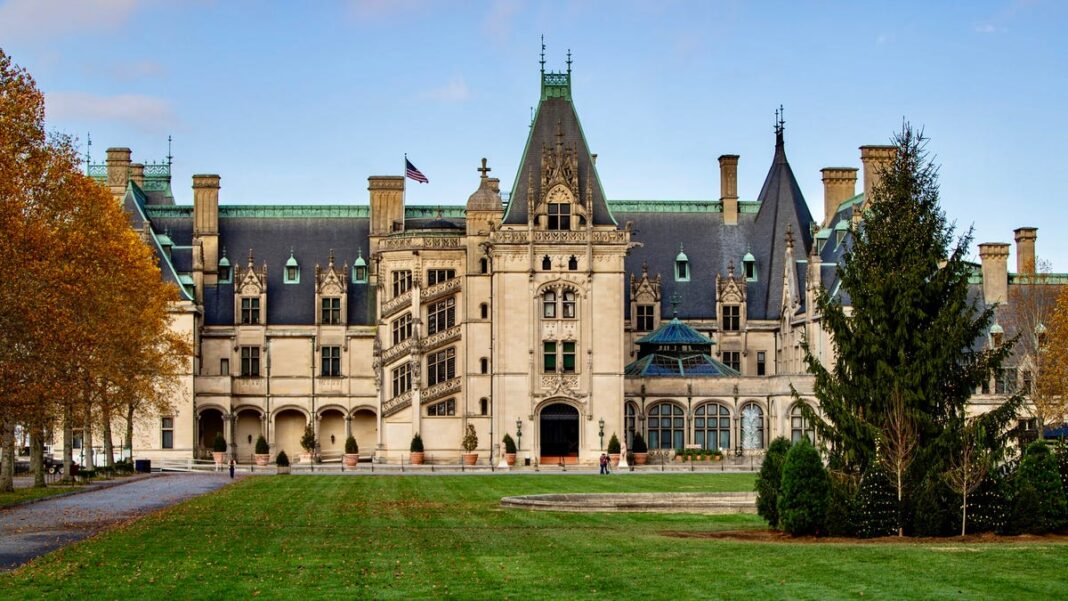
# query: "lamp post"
[[600, 425], [519, 433]]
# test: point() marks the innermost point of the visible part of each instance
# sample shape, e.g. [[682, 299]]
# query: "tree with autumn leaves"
[[85, 337]]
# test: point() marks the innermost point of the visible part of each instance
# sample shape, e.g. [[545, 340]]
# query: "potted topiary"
[[680, 455], [307, 442], [282, 462], [416, 448], [717, 455], [640, 449], [352, 452], [263, 451], [613, 449], [469, 444], [509, 449], [219, 449]]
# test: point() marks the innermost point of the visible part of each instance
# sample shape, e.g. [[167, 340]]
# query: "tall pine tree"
[[908, 334]]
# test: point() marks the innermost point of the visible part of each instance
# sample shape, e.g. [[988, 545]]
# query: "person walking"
[[232, 469], [604, 464]]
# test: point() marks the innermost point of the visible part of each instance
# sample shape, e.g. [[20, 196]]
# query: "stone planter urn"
[[509, 458], [470, 458], [219, 457], [350, 459], [641, 458], [305, 457], [417, 458], [262, 460], [614, 458]]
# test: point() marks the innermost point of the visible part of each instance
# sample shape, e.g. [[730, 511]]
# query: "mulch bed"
[[774, 536]]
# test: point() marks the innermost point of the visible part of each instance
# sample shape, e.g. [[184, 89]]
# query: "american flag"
[[412, 172]]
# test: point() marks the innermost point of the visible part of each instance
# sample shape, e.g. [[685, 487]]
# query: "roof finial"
[[170, 156], [542, 54], [484, 169], [88, 147], [645, 268], [675, 304], [569, 61], [331, 257], [250, 259]]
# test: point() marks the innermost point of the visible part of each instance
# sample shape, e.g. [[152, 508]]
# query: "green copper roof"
[[859, 198], [684, 365], [675, 333]]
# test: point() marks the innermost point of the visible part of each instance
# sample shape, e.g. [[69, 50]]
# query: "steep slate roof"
[[556, 113]]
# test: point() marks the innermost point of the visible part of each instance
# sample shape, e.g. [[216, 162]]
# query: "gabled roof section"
[[556, 122], [782, 209]]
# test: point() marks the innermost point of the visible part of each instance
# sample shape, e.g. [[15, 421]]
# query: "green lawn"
[[25, 494], [405, 537]]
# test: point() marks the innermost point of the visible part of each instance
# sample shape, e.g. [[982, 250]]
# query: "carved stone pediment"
[[730, 290], [645, 290], [251, 281], [329, 281]]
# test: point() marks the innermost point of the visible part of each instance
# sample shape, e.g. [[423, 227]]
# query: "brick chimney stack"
[[995, 260], [839, 185], [1025, 249], [728, 188]]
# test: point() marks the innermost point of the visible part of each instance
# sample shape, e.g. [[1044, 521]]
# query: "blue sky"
[[300, 102]]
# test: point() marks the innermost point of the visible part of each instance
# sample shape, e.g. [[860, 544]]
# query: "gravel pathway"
[[32, 530]]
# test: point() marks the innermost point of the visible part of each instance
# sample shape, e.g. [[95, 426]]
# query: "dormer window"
[[997, 334], [359, 270], [840, 232], [682, 267], [292, 271], [225, 273], [1040, 336], [559, 216], [749, 267]]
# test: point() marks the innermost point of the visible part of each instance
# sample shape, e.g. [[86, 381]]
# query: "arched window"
[[712, 426], [569, 304], [667, 426], [752, 426], [359, 269], [548, 305], [225, 273], [483, 265], [799, 426], [630, 422], [572, 263], [483, 365], [682, 266], [546, 263], [749, 267], [483, 406], [292, 271]]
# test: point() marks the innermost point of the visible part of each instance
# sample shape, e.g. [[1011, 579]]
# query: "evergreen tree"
[[769, 481], [841, 508], [988, 505], [876, 508], [1039, 503], [805, 491], [910, 332]]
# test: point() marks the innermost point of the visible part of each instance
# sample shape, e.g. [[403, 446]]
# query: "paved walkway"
[[32, 530]]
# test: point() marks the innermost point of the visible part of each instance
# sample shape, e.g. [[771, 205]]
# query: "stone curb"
[[89, 488]]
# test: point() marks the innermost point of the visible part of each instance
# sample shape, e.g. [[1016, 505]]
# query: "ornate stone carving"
[[444, 288], [419, 242], [329, 282], [395, 351], [440, 338], [397, 403], [252, 282], [396, 303], [560, 385], [645, 290], [441, 389]]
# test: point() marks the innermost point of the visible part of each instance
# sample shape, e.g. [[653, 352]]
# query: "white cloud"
[[454, 91], [145, 113], [43, 20]]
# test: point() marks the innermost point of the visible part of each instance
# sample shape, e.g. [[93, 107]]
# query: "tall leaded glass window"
[[441, 315], [250, 361], [331, 362], [402, 379], [548, 305], [402, 281], [559, 215], [667, 427], [568, 304], [643, 321], [402, 328], [568, 357], [752, 427], [250, 310], [331, 311], [440, 366], [731, 318], [712, 426], [799, 426], [548, 357]]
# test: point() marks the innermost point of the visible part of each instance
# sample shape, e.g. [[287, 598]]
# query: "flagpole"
[[404, 187]]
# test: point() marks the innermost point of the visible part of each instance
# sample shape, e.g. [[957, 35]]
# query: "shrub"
[[988, 506], [935, 509], [841, 506], [1062, 464], [769, 481], [805, 491], [417, 444], [470, 441], [282, 460], [613, 444], [219, 446], [262, 448], [638, 445], [509, 444], [876, 507], [350, 445], [307, 442], [1038, 503]]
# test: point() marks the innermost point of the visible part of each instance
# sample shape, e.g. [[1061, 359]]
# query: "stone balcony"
[[396, 303], [439, 290]]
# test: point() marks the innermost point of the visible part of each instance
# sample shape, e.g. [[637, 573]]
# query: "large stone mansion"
[[553, 313]]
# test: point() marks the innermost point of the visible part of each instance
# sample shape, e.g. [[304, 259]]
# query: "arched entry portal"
[[211, 423], [559, 433]]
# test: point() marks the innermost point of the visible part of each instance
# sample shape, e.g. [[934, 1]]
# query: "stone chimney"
[[876, 160], [387, 203], [1025, 249], [728, 187], [839, 185], [995, 259], [206, 222], [137, 174], [118, 170]]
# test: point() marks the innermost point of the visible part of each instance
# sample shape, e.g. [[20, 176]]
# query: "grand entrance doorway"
[[559, 429]]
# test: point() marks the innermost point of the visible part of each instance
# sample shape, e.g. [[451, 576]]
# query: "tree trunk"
[[68, 442], [87, 439], [37, 456], [109, 446], [7, 448], [900, 496], [129, 428], [964, 516]]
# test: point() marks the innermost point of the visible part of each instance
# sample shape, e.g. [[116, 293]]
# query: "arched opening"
[[667, 426], [249, 426], [712, 427], [331, 434], [752, 427], [365, 431], [559, 429], [288, 428], [211, 423]]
